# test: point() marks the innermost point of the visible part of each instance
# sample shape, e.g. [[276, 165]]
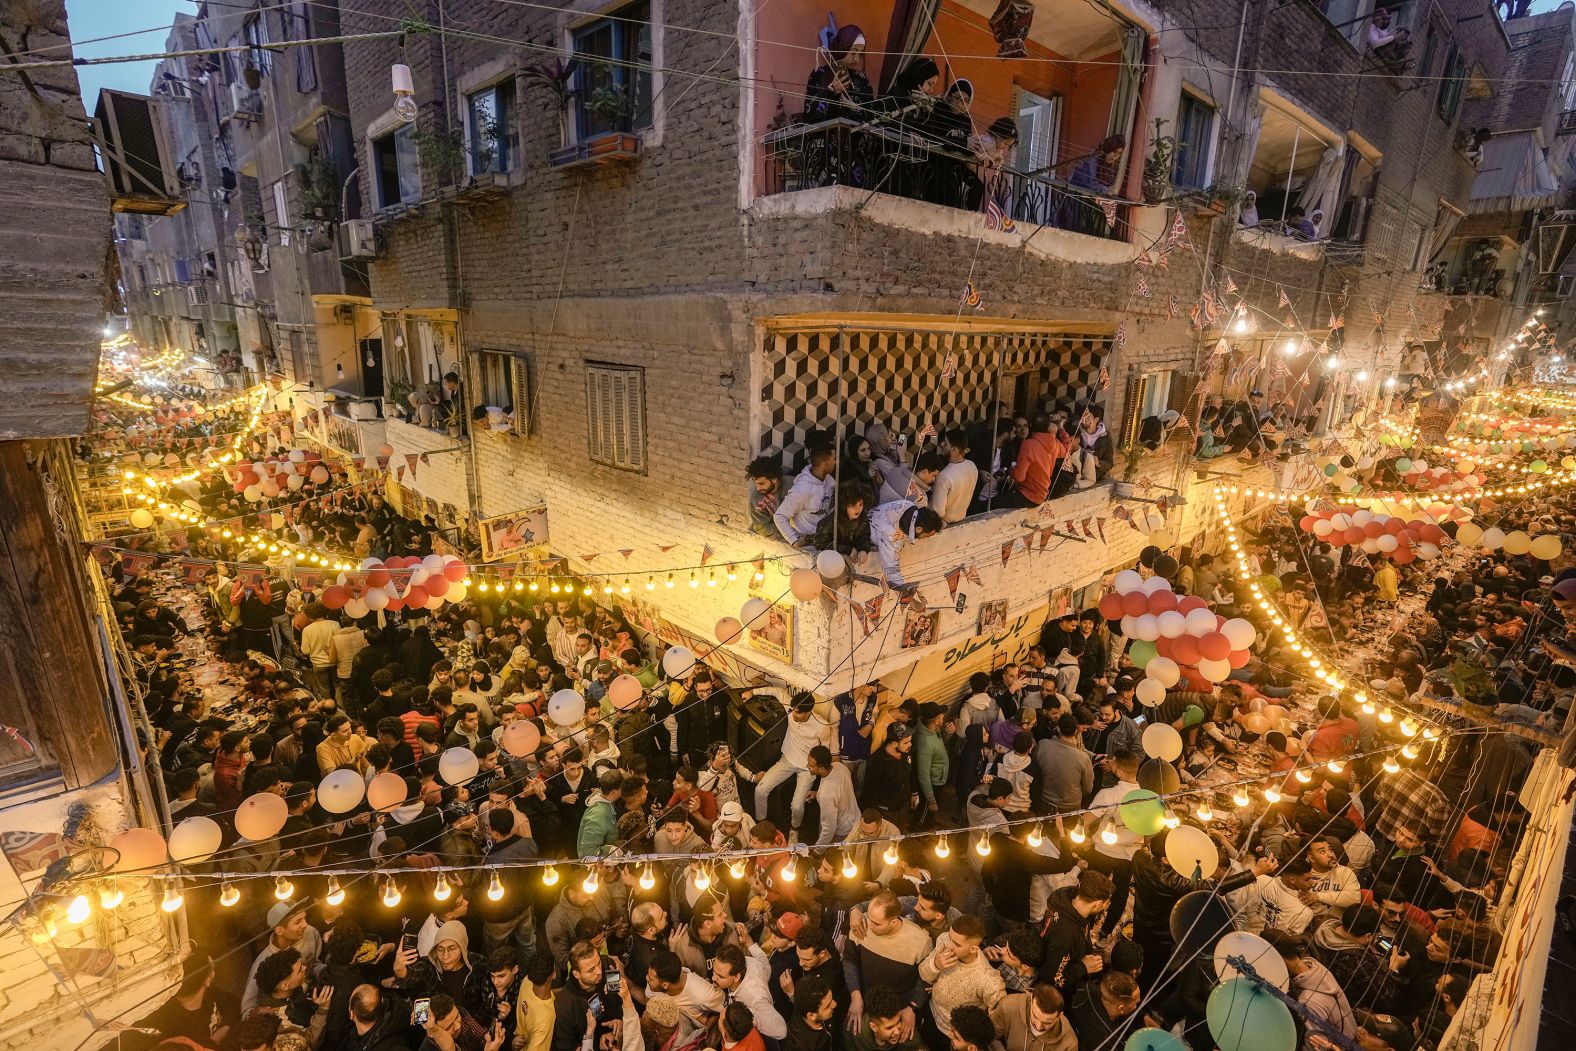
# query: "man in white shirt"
[[698, 1000], [317, 645], [809, 498], [1334, 885], [833, 789], [1114, 842], [953, 489], [741, 974], [895, 524], [1281, 903], [804, 732]]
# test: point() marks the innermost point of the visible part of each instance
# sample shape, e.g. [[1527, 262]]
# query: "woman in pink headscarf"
[[839, 87]]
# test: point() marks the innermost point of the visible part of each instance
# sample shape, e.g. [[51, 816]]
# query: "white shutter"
[[1039, 130], [616, 416]]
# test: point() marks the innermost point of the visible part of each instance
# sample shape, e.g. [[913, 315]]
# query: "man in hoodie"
[[1102, 1012], [809, 498], [1334, 886], [1091, 455], [931, 764], [960, 974], [1009, 870], [1348, 945], [979, 708], [900, 483], [1016, 768], [896, 524], [1068, 930], [805, 730], [1038, 458], [599, 820], [1314, 987]]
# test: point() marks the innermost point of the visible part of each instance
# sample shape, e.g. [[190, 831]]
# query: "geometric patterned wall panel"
[[812, 382]]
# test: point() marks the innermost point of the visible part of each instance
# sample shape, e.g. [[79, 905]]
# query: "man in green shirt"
[[931, 768]]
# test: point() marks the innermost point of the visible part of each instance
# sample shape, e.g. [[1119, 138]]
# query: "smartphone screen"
[[407, 941], [614, 982], [423, 1012], [1386, 944]]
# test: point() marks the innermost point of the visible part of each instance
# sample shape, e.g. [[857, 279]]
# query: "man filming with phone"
[[450, 1028]]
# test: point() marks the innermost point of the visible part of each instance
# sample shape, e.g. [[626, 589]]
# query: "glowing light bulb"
[[1171, 820], [550, 875], [647, 879], [1035, 838], [79, 910], [1203, 812], [590, 884], [1240, 797], [669, 581], [494, 888], [790, 871], [1409, 751], [336, 893], [1386, 715], [889, 856], [283, 889], [1077, 835], [1272, 794], [173, 898], [1304, 776], [110, 895], [1430, 733], [229, 895], [982, 845], [391, 894], [1390, 765], [736, 869], [442, 891], [1108, 834], [1368, 708], [850, 870], [1408, 727], [701, 879]]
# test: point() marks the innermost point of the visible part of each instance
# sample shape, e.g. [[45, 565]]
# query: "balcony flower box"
[[607, 148]]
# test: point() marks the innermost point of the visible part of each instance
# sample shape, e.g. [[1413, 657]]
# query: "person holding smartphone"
[[449, 1027]]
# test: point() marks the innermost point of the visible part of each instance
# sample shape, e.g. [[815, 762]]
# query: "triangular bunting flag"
[[1006, 552], [626, 551], [971, 573], [954, 576], [411, 459]]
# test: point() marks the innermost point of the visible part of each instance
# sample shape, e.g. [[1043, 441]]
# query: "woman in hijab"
[[1249, 216], [839, 88], [1096, 173], [910, 105]]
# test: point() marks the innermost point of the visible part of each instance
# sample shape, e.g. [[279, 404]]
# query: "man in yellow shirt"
[[1386, 581], [533, 1028], [342, 747]]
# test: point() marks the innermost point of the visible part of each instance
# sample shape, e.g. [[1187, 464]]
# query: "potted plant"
[[1157, 169], [1219, 197], [442, 153], [608, 105], [555, 75]]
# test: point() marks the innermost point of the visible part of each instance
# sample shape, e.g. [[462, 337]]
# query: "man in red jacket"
[[1038, 458]]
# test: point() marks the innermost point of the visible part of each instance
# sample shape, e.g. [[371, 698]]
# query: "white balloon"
[[1161, 741], [1370, 545], [677, 662], [376, 599], [1191, 853], [830, 564], [1173, 623], [1146, 627], [1129, 626], [456, 593], [341, 791], [1214, 671], [1493, 538], [1154, 584], [1426, 550], [1259, 954], [1165, 670], [371, 563], [457, 765], [1323, 528], [418, 575], [1387, 543], [1341, 522], [752, 610], [1128, 580], [195, 840], [1240, 633], [1200, 622], [355, 609], [433, 563], [1150, 692], [1362, 517], [566, 707]]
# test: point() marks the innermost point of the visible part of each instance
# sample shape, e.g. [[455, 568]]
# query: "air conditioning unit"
[[358, 239], [197, 295], [245, 103]]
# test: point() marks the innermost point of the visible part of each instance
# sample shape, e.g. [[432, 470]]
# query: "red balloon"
[[1240, 658], [437, 584], [334, 597], [1214, 646], [395, 604], [1189, 603], [1431, 533], [1394, 526], [1220, 622], [1373, 530], [377, 578], [1196, 682], [240, 487], [1163, 647], [1307, 522], [1356, 535], [247, 477], [395, 562], [1162, 602], [1135, 603], [1184, 649], [1403, 555], [1111, 607], [416, 597], [458, 571]]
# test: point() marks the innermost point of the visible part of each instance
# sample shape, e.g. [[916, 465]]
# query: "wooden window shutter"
[[1133, 408], [520, 378], [616, 416], [1182, 388]]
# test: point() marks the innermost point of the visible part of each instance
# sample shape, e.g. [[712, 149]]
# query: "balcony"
[[857, 154], [1567, 124]]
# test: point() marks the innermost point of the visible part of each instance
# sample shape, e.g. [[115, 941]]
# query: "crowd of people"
[[948, 873]]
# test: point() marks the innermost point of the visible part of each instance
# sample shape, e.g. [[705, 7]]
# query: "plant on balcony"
[[319, 193], [555, 75], [1132, 456], [1219, 197], [442, 153], [1157, 169], [608, 102]]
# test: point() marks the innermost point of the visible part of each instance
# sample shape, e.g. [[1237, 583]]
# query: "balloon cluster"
[[1402, 539], [1175, 637], [401, 582], [266, 479], [1544, 546]]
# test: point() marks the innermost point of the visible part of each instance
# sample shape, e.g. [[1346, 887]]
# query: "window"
[[1148, 394], [1349, 17], [396, 168], [1425, 63], [282, 212], [616, 415], [501, 383], [613, 74], [1568, 84], [489, 128], [1450, 85], [1039, 129], [297, 25], [257, 54], [1195, 134]]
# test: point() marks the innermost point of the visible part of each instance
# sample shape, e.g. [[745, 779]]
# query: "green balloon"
[[1331, 470], [1405, 441], [1151, 1039], [1243, 1017], [1539, 467], [1527, 447], [1403, 465], [1141, 653], [1386, 439], [1142, 812], [1192, 715]]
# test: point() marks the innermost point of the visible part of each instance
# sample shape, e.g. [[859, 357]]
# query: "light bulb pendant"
[[789, 871], [850, 870], [494, 888], [283, 889], [442, 891], [550, 875], [1035, 838], [943, 848], [391, 894], [336, 893], [229, 895]]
